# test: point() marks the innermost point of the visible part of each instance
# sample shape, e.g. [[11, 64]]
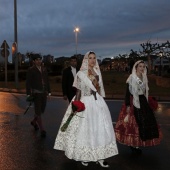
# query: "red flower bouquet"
[[77, 106], [153, 103]]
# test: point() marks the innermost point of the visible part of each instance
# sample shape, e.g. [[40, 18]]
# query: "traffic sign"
[[3, 52], [5, 44], [5, 47]]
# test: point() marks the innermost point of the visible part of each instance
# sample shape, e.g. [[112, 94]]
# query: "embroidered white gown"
[[92, 137]]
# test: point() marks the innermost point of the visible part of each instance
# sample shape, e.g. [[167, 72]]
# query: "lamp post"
[[160, 63], [76, 30]]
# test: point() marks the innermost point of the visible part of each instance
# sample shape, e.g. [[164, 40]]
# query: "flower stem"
[[65, 125]]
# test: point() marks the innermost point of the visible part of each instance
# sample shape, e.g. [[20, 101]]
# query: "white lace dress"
[[92, 137]]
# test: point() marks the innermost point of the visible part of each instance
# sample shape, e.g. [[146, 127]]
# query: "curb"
[[108, 96]]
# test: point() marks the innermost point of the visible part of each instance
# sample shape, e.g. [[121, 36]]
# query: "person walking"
[[137, 126], [38, 88], [89, 136], [68, 78]]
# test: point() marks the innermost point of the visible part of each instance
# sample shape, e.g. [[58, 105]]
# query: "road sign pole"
[[5, 53]]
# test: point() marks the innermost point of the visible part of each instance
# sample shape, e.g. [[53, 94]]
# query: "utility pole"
[[16, 42]]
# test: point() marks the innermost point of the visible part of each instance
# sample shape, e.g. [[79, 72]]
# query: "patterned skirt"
[[141, 129]]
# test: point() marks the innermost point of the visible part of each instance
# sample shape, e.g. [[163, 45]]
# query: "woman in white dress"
[[90, 136]]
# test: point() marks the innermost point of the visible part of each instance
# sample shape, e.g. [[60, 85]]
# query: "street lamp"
[[76, 30], [160, 63]]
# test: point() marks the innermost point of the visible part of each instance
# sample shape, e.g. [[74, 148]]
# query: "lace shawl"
[[136, 85], [83, 83]]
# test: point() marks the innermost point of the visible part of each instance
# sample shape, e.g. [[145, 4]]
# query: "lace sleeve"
[[78, 95], [77, 82]]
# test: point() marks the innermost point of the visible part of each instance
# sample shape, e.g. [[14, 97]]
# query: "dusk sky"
[[108, 27]]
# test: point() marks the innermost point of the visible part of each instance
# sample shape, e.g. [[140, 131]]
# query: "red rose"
[[153, 103], [78, 106]]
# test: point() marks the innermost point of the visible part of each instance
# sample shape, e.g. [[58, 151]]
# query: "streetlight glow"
[[76, 30]]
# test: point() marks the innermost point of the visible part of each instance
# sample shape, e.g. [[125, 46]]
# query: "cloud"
[[107, 27]]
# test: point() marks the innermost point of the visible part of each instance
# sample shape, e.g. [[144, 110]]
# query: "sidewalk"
[[108, 96]]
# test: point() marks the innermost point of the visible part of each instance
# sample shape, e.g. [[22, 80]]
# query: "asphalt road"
[[21, 148]]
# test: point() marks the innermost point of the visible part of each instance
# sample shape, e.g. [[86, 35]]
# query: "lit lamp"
[[14, 51], [76, 30], [160, 63]]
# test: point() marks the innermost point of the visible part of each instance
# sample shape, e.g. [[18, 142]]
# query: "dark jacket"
[[37, 80], [67, 83]]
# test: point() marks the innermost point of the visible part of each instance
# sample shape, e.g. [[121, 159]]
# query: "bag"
[[153, 103]]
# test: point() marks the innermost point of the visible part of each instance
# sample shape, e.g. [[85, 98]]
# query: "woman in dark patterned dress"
[[137, 125]]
